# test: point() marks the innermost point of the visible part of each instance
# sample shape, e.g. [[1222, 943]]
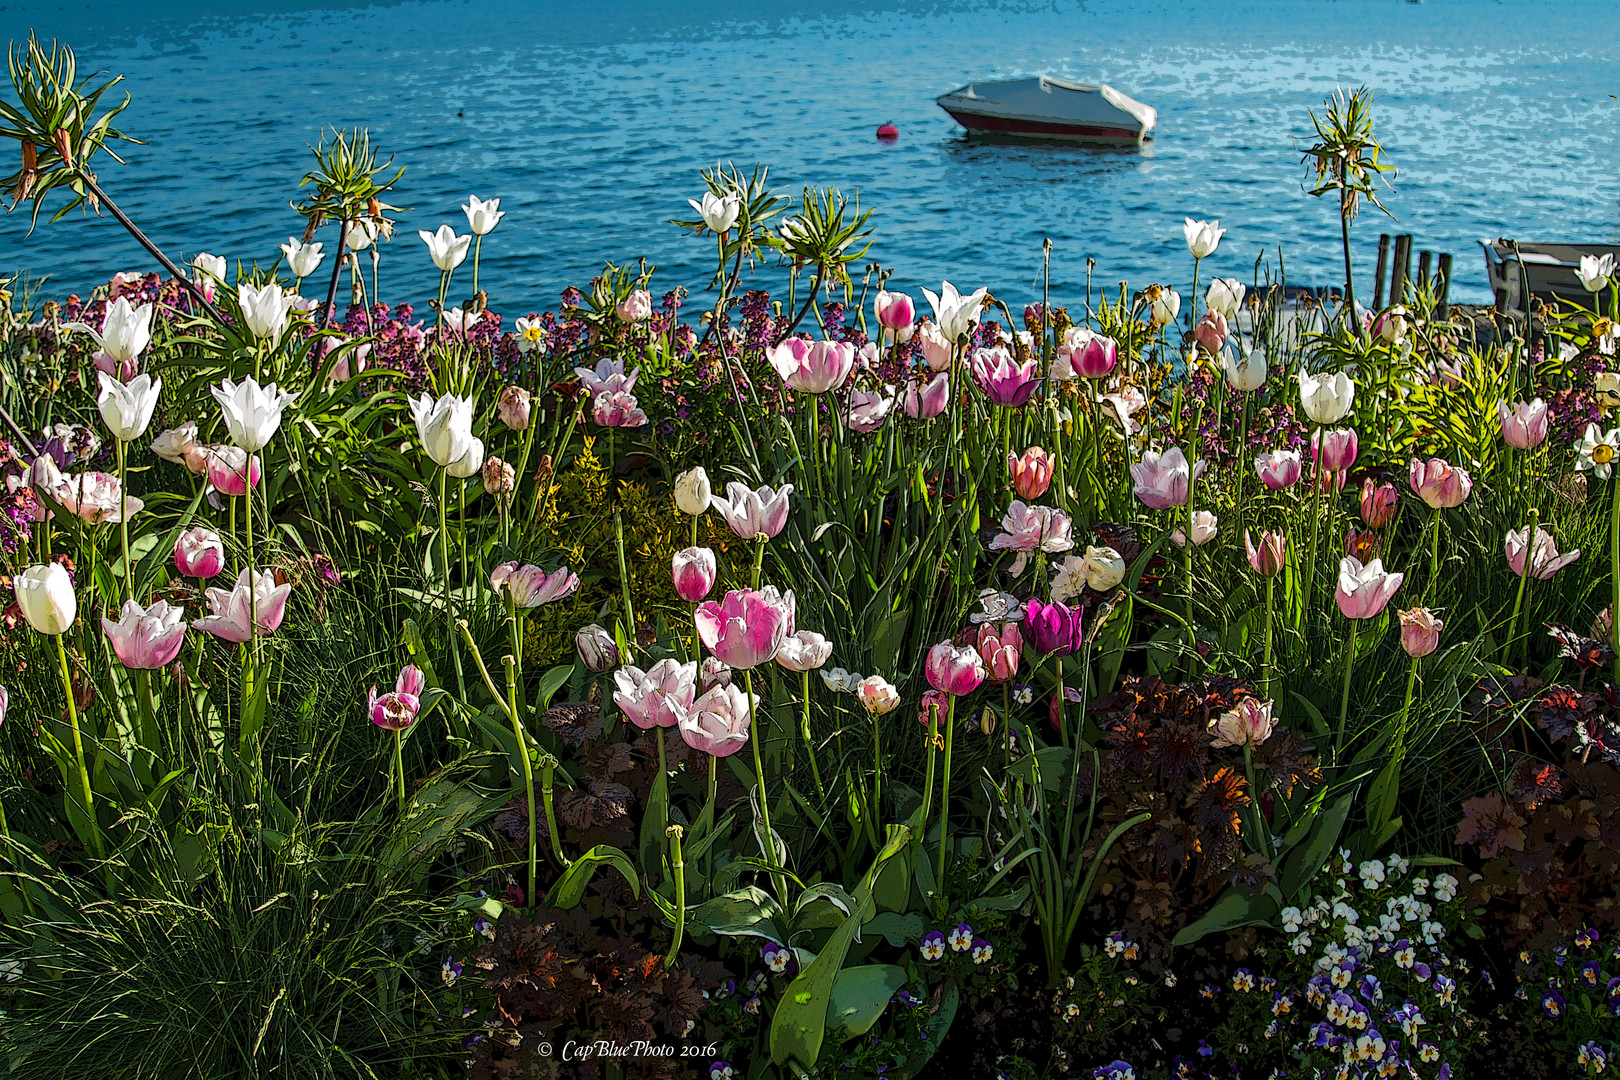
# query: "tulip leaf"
[[859, 996], [1305, 863], [748, 912], [552, 681], [570, 887]]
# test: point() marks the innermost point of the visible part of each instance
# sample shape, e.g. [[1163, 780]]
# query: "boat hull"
[[1046, 130]]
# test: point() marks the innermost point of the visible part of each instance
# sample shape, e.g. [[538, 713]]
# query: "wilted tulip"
[[1440, 485], [1104, 568], [1027, 529], [894, 311], [596, 648], [813, 367], [955, 314], [1278, 469], [46, 599], [1339, 448], [1544, 559], [717, 723], [692, 492], [499, 477], [1225, 295], [447, 250], [712, 673], [252, 413], [1524, 425], [1203, 237], [840, 681], [1246, 724], [1031, 474], [635, 308], [514, 408], [146, 639], [96, 498], [955, 670], [746, 627], [657, 697], [867, 411], [1205, 525], [530, 586], [694, 571], [999, 649], [1420, 632], [1363, 544], [1377, 503], [1364, 590], [126, 409], [302, 259], [1211, 332], [719, 213], [1326, 398], [199, 553], [936, 348], [1595, 271], [877, 695], [176, 443], [1004, 380], [482, 217], [761, 512], [230, 470], [252, 605], [397, 709], [1164, 480], [1245, 374], [930, 400], [1266, 560], [805, 650], [444, 426], [1053, 629]]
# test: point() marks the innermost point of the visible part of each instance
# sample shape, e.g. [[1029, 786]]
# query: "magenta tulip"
[[813, 367], [894, 310], [146, 639], [930, 400], [954, 669], [1054, 629], [399, 708], [694, 571], [1278, 469], [1004, 380], [1439, 484], [717, 723], [746, 627], [199, 553], [1364, 590], [1095, 359], [1338, 448], [230, 470], [661, 696]]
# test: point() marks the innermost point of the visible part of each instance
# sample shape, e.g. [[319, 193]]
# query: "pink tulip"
[[1028, 529], [717, 723], [617, 409], [1440, 485], [1000, 649], [1364, 590], [146, 639], [230, 470], [762, 512], [411, 680], [1278, 469], [199, 553], [894, 310], [1246, 724], [1377, 503], [868, 411], [813, 367], [936, 347], [635, 308], [1211, 331], [253, 605], [515, 408], [694, 571], [531, 586], [1266, 560], [399, 708], [955, 670], [929, 401], [1524, 426], [1095, 359], [934, 708], [1031, 474], [1164, 480], [1339, 448], [657, 697], [877, 695], [1004, 380], [746, 627], [1544, 560], [95, 498], [1420, 632]]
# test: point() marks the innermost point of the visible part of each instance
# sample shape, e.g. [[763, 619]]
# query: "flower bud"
[[514, 408], [694, 571], [199, 553], [693, 491], [596, 648]]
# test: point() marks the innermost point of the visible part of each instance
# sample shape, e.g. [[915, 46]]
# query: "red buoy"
[[888, 132]]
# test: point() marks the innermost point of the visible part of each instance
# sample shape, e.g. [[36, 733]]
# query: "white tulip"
[[302, 259], [264, 309], [45, 597], [1595, 271], [955, 314], [1203, 237], [470, 461], [444, 426], [1166, 306], [252, 413], [1225, 295], [208, 269], [1103, 568], [125, 332], [126, 408], [693, 491], [174, 444], [482, 217], [1326, 399], [360, 234], [448, 249], [1247, 374], [719, 214]]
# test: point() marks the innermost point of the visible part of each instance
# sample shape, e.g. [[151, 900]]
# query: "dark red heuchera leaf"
[[1533, 782], [1491, 823], [1573, 645]]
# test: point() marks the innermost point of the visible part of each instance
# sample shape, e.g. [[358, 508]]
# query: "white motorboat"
[[1048, 108]]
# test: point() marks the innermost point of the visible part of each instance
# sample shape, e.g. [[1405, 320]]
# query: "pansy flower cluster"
[[1571, 1000], [1105, 998], [960, 940]]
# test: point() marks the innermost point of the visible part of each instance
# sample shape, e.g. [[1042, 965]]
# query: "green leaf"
[[570, 887], [749, 912], [1305, 863], [552, 681], [1234, 908], [897, 929], [859, 996]]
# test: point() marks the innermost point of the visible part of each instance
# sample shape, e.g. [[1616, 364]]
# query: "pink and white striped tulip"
[[746, 627]]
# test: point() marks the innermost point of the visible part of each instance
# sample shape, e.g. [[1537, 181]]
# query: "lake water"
[[590, 122]]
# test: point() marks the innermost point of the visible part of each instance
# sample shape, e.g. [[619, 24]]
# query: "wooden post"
[[1402, 269], [1424, 259], [1378, 274], [1443, 286]]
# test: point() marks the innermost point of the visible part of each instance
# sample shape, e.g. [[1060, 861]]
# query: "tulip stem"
[[399, 768], [1524, 580], [1434, 559], [1344, 694], [1265, 667], [809, 743], [945, 801], [510, 663], [928, 782], [123, 523], [444, 577], [78, 750], [624, 586], [1316, 521], [548, 775], [678, 864], [767, 841], [1614, 573]]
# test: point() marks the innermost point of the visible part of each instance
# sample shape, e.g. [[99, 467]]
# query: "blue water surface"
[[590, 121]]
